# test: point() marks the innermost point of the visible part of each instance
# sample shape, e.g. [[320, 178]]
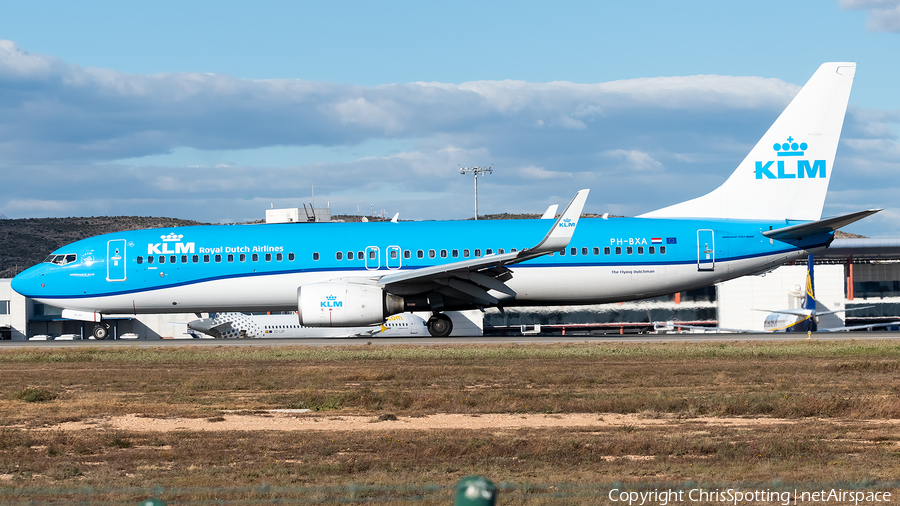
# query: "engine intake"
[[342, 304]]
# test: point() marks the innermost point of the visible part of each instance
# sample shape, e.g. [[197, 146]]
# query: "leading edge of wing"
[[557, 238]]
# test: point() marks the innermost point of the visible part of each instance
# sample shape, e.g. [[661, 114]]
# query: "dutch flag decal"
[[656, 240]]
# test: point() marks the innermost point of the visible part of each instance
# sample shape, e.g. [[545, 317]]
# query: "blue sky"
[[216, 110]]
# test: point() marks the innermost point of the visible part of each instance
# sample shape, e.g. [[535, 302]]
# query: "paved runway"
[[425, 341]]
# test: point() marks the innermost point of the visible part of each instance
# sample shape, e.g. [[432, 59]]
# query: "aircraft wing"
[[471, 279], [673, 325], [859, 327], [372, 331], [206, 324]]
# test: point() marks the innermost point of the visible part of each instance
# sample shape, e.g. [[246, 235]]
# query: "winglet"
[[561, 233], [396, 218], [550, 213]]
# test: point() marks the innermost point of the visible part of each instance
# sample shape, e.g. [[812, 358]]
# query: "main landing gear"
[[101, 331], [439, 325]]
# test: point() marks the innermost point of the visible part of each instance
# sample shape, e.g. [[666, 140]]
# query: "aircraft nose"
[[24, 283]]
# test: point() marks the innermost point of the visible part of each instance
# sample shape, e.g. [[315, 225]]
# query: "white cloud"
[[884, 15], [635, 160], [532, 172], [78, 141]]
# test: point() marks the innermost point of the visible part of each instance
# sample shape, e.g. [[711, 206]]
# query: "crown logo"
[[171, 237], [330, 298], [790, 148]]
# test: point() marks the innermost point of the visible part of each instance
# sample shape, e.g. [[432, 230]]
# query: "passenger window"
[[512, 250], [406, 254], [243, 257], [465, 253], [500, 251], [338, 256], [640, 250], [140, 260], [584, 251], [477, 253], [562, 252], [173, 259], [206, 259], [291, 257], [359, 255], [618, 250], [629, 250], [162, 259], [184, 259], [489, 251], [662, 250], [606, 250], [268, 257], [279, 257], [218, 258], [316, 255], [454, 253], [573, 251], [230, 257], [443, 253], [371, 254], [349, 255], [150, 259], [255, 257], [195, 258], [431, 253], [597, 251], [652, 250], [393, 253], [420, 254]]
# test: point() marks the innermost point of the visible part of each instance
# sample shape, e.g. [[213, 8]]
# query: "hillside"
[[27, 242]]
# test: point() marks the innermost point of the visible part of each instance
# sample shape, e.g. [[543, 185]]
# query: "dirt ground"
[[291, 420]]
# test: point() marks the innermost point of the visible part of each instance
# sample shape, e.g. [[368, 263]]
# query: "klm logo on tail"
[[802, 169]]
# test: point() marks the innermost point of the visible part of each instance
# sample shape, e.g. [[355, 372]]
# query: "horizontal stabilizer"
[[817, 227]]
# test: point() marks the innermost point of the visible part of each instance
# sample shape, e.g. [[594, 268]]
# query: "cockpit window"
[[61, 259]]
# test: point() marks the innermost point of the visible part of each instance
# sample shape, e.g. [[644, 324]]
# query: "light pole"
[[476, 171]]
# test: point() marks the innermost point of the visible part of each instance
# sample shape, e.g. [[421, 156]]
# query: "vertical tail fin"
[[786, 175], [810, 302]]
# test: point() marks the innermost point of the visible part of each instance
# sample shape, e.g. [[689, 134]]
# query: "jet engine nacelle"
[[342, 304]]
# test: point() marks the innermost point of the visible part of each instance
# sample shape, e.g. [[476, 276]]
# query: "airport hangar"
[[852, 273]]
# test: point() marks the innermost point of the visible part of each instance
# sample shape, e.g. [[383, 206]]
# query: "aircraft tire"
[[100, 332], [439, 325]]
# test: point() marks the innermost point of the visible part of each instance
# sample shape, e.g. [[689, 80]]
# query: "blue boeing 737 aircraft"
[[766, 213]]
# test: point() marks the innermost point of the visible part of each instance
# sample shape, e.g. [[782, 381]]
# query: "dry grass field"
[[553, 424]]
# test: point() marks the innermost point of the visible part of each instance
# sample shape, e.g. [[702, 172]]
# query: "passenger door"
[[115, 260], [706, 250]]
